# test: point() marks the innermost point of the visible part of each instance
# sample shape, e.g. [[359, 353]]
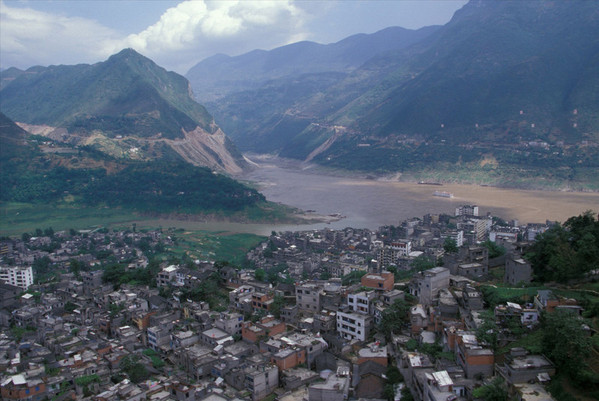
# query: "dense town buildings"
[[312, 330]]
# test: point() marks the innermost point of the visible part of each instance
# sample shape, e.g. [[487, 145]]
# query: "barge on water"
[[443, 194]]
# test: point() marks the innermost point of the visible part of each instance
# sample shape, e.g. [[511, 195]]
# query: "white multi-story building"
[[167, 276], [353, 325], [361, 302], [401, 248], [18, 276], [457, 236], [466, 210]]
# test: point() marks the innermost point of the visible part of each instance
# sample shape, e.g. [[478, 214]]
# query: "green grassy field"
[[17, 218], [205, 245]]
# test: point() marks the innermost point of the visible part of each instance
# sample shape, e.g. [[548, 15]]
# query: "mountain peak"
[[128, 96], [131, 56]]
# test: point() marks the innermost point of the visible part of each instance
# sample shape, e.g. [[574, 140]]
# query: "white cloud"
[[29, 37], [190, 30], [196, 29], [184, 34]]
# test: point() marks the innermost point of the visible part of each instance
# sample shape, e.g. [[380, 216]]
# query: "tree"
[[422, 262], [566, 252], [260, 274], [75, 267], [494, 391], [406, 395], [494, 249], [134, 369], [394, 317], [393, 375], [325, 275], [564, 340], [487, 331], [353, 277], [389, 391], [275, 307], [450, 246]]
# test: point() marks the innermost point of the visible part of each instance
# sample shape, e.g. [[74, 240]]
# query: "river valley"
[[370, 203]]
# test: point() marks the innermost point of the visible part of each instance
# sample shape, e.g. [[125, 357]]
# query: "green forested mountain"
[[255, 96], [507, 91], [35, 170], [13, 142], [126, 102]]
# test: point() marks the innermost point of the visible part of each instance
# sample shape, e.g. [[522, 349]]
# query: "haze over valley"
[[296, 200]]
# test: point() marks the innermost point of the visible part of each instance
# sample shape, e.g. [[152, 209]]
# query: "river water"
[[369, 203]]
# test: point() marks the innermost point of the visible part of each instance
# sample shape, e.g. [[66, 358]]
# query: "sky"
[[179, 34]]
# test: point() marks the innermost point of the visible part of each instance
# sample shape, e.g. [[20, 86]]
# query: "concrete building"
[[520, 367], [261, 380], [401, 248], [517, 270], [472, 298], [167, 276], [475, 359], [230, 323], [475, 229], [214, 337], [159, 337], [466, 210], [289, 314], [267, 327], [456, 235], [472, 270], [351, 325], [427, 284], [335, 388], [91, 280], [21, 277], [390, 297], [418, 318], [379, 281], [307, 297], [361, 302], [373, 352], [183, 339]]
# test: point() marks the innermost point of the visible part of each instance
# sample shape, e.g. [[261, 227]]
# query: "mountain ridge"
[[127, 101], [497, 80]]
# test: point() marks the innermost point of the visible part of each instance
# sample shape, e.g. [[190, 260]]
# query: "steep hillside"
[[506, 91], [13, 143], [39, 171], [126, 106], [220, 75], [254, 96]]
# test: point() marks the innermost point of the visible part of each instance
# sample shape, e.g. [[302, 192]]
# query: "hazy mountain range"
[[506, 93], [478, 90]]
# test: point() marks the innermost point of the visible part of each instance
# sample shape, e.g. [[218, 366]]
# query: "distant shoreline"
[[313, 168]]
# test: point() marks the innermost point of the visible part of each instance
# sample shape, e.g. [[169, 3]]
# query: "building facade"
[[21, 277]]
